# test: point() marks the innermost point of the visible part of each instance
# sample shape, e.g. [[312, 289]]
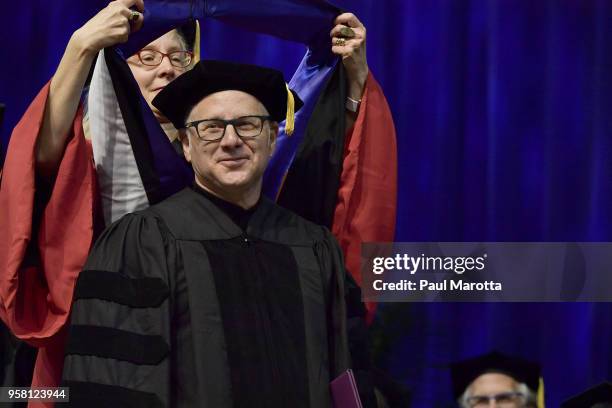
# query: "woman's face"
[[152, 79]]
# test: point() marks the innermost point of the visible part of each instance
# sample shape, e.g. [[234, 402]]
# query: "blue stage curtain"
[[503, 111]]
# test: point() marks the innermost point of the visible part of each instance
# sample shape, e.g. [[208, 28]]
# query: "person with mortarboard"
[[215, 297], [599, 396], [497, 380]]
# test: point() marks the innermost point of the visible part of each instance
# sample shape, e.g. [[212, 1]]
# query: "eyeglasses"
[[502, 400], [152, 58], [211, 130]]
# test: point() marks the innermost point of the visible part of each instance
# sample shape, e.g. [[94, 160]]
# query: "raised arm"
[[349, 41], [110, 26]]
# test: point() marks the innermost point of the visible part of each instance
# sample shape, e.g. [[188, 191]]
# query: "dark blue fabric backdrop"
[[503, 111]]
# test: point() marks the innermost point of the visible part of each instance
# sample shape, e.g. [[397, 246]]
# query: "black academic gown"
[[179, 306]]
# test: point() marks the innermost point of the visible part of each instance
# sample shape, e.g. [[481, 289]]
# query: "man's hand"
[[348, 39], [112, 25]]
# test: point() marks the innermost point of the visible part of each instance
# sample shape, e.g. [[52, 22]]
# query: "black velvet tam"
[[600, 394], [523, 371], [177, 99]]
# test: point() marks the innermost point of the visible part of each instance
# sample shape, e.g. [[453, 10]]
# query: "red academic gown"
[[367, 197], [38, 269], [36, 291]]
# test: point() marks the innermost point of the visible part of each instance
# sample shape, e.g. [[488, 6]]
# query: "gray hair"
[[531, 399]]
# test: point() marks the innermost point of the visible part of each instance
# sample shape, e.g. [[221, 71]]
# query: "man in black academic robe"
[[215, 297]]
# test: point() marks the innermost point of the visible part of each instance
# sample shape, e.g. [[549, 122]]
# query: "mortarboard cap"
[[464, 372], [177, 99], [600, 394]]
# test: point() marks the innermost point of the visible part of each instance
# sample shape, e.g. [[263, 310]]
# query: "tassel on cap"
[[196, 43], [541, 393], [290, 119]]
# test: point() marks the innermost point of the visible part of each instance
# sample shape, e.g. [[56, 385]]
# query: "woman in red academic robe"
[[49, 204]]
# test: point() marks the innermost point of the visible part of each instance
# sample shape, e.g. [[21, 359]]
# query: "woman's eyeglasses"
[[153, 58]]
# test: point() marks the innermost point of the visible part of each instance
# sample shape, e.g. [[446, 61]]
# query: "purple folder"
[[344, 391]]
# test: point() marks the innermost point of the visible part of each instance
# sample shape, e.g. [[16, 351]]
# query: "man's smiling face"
[[231, 166]]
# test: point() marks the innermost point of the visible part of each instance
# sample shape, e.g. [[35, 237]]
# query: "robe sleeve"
[[43, 246], [333, 275], [347, 329], [367, 197], [117, 350]]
